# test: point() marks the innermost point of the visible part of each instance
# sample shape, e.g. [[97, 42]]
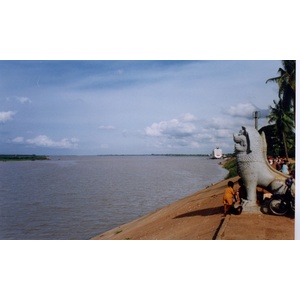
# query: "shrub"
[[231, 166]]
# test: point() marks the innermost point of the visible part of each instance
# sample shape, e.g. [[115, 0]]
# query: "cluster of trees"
[[18, 157], [280, 134]]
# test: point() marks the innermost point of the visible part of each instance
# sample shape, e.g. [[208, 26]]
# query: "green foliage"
[[281, 137], [231, 166], [7, 157], [287, 85], [283, 124], [275, 146]]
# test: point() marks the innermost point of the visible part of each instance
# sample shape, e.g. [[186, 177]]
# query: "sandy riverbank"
[[200, 217]]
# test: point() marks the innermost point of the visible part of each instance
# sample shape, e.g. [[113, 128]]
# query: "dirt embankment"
[[200, 217]]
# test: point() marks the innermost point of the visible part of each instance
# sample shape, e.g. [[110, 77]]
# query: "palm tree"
[[287, 85], [283, 122]]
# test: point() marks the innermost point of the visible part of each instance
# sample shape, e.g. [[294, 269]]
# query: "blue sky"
[[130, 107]]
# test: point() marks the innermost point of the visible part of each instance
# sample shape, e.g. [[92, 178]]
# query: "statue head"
[[242, 141]]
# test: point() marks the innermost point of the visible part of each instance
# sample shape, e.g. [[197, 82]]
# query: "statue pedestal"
[[249, 207]]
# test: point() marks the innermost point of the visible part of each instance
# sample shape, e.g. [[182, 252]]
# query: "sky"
[[130, 107]]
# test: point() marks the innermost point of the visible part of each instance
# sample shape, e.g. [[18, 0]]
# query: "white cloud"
[[6, 116], [18, 139], [219, 123], [155, 129], [191, 133], [244, 110], [23, 100], [173, 128], [187, 117], [223, 133], [204, 134], [44, 141]]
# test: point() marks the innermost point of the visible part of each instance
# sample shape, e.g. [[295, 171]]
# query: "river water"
[[78, 197]]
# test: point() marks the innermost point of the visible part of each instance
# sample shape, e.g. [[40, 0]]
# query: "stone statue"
[[253, 166]]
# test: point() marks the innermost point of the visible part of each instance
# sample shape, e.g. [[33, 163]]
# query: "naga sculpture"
[[252, 164]]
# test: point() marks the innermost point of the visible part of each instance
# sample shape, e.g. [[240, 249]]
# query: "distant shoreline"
[[153, 155], [21, 157]]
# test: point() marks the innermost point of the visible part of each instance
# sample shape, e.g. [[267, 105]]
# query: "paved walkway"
[[256, 226]]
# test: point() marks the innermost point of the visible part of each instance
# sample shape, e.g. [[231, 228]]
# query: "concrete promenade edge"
[[200, 217]]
